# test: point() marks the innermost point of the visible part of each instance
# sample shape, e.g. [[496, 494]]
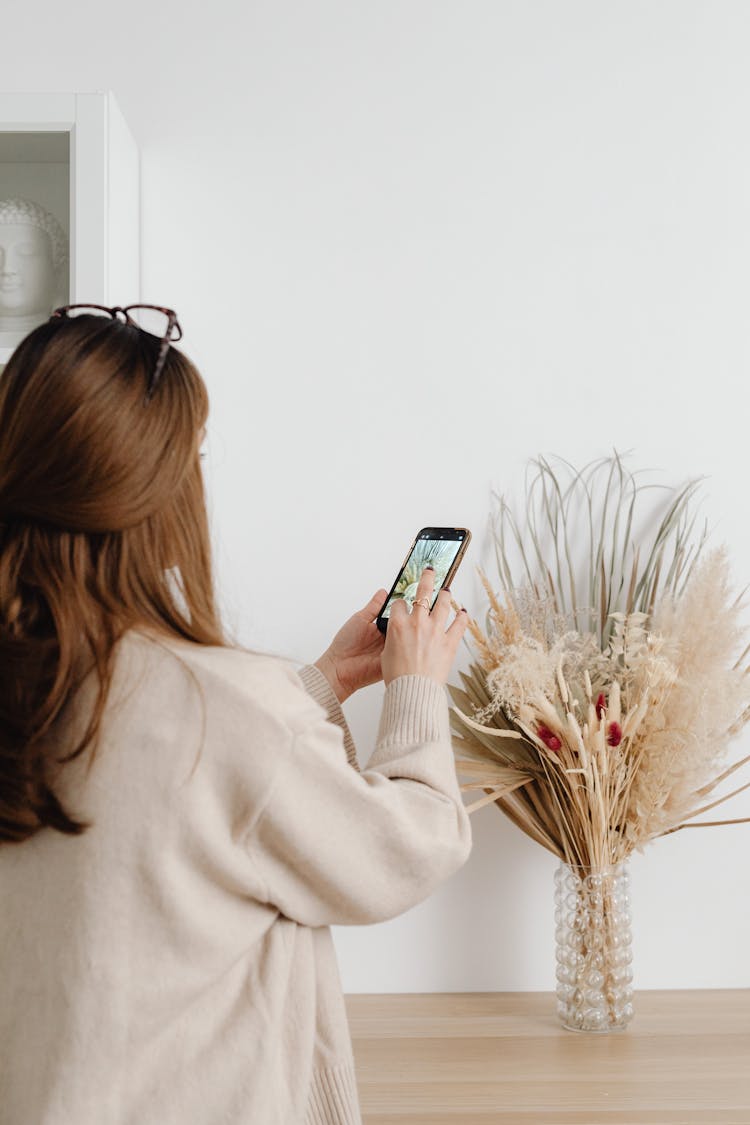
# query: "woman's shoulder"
[[225, 670]]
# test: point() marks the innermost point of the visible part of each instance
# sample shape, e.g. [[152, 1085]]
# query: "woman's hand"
[[418, 643], [352, 660]]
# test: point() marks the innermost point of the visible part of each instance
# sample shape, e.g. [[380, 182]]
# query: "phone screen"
[[439, 553]]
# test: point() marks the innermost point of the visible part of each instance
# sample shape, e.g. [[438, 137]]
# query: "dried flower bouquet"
[[609, 679], [608, 682]]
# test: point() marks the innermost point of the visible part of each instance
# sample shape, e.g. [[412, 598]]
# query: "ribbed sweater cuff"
[[415, 710], [317, 686], [333, 1097]]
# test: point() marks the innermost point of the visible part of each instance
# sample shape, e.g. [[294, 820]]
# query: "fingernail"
[[446, 589], [464, 609], [428, 567]]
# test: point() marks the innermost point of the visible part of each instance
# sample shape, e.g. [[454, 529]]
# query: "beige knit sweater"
[[174, 964]]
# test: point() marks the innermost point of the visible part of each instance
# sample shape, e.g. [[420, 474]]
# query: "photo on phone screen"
[[437, 547]]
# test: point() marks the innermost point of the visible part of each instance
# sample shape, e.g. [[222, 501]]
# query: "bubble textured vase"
[[594, 947]]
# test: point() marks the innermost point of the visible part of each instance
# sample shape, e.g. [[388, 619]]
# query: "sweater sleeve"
[[321, 691], [334, 846]]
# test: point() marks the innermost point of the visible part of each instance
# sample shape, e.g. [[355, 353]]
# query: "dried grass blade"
[[719, 801], [492, 732], [494, 794], [706, 789], [708, 824]]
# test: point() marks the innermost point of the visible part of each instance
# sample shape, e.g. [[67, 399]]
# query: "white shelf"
[[74, 155]]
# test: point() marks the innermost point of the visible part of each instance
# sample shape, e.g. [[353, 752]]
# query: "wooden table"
[[477, 1058]]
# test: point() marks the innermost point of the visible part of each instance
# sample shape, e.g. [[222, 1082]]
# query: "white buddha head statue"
[[33, 257]]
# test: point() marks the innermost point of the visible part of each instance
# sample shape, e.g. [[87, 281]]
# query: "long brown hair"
[[103, 527]]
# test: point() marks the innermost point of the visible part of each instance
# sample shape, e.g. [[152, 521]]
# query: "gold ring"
[[423, 602]]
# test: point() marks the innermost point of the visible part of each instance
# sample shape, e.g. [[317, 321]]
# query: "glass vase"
[[593, 939]]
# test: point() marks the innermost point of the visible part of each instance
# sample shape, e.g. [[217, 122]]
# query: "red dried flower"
[[550, 740], [601, 705], [614, 734]]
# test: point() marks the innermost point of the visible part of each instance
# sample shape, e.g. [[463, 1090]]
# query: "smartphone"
[[441, 547]]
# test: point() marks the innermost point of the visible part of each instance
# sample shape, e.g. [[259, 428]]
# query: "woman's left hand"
[[352, 660]]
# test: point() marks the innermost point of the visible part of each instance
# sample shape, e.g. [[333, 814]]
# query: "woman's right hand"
[[418, 643]]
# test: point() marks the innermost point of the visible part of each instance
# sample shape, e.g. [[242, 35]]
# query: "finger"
[[426, 585], [399, 610], [375, 604], [457, 628], [441, 609]]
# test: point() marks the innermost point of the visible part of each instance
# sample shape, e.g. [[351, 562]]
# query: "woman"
[[181, 820]]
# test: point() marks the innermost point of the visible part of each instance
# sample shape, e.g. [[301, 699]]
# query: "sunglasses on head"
[[152, 319]]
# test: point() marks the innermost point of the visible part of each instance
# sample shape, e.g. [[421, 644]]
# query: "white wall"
[[413, 244]]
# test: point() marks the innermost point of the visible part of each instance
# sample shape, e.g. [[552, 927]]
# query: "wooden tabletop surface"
[[477, 1058]]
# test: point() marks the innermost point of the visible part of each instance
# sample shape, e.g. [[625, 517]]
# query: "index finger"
[[426, 585]]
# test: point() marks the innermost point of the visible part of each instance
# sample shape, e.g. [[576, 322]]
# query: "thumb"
[[375, 604]]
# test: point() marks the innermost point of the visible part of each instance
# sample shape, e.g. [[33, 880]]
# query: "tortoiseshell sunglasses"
[[152, 319]]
